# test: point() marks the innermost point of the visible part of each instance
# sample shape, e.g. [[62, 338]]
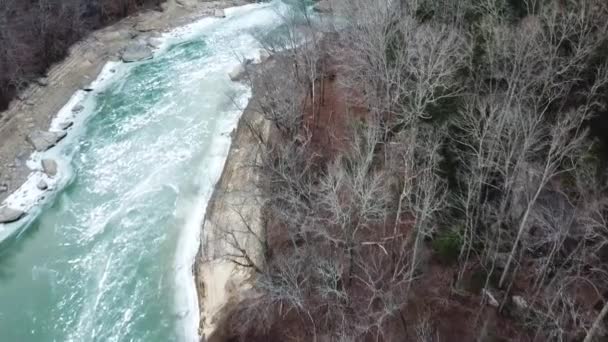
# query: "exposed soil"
[[453, 312], [233, 209], [331, 121]]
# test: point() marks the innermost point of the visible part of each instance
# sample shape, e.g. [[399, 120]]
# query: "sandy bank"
[[217, 279], [34, 109], [232, 213]]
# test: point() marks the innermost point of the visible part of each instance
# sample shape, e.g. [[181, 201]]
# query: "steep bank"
[[34, 109], [105, 249], [233, 213], [381, 244]]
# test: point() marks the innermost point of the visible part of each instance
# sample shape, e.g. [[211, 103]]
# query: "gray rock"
[[238, 73], [520, 303], [186, 3], [8, 215], [42, 141], [78, 108], [136, 52], [42, 185], [49, 166], [147, 26], [3, 188], [323, 6], [22, 157], [110, 36], [153, 42], [43, 81], [66, 125], [219, 13]]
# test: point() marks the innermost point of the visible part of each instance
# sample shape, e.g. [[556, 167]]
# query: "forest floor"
[[436, 300], [34, 109]]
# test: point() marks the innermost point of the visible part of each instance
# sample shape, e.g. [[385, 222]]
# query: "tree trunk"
[[596, 323]]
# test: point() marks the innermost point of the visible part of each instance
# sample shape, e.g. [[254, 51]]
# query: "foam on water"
[[28, 197], [135, 174]]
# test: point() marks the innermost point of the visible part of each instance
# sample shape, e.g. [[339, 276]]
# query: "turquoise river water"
[[108, 255]]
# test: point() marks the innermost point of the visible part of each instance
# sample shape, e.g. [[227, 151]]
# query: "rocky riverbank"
[[24, 129], [232, 220], [24, 126]]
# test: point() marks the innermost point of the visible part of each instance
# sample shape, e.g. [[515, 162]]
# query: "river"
[[108, 255]]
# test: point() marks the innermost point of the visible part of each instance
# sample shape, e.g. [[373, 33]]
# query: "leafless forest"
[[36, 33], [434, 172]]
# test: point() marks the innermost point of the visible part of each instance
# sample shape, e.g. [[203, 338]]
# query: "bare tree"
[[596, 324], [506, 101]]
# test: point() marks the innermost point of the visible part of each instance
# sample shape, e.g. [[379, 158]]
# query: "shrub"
[[447, 245]]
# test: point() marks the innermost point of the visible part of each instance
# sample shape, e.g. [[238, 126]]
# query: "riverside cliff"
[[232, 221]]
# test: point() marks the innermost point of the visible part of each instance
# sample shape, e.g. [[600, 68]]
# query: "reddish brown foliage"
[[451, 315]]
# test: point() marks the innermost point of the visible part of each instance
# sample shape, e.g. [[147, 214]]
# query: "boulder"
[[238, 73], [43, 81], [520, 303], [42, 185], [136, 52], [165, 6], [111, 36], [65, 125], [153, 42], [42, 141], [147, 26], [77, 108], [22, 157], [323, 6], [187, 3], [49, 166], [8, 215], [219, 13], [3, 188]]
